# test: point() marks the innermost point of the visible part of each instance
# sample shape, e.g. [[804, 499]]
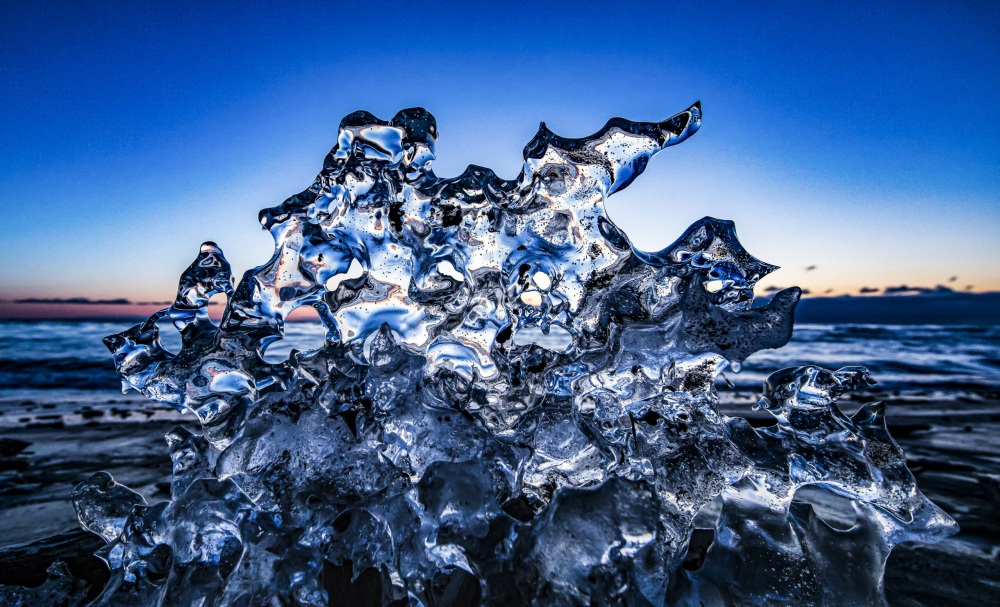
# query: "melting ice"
[[513, 406]]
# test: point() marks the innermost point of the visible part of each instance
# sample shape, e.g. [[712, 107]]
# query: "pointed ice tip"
[[694, 113], [786, 298], [871, 415], [682, 125]]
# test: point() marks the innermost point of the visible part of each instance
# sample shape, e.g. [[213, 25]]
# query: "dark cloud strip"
[[86, 301]]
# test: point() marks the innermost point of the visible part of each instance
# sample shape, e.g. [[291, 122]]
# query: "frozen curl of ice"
[[513, 406]]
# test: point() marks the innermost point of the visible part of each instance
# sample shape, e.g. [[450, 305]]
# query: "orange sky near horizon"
[[13, 310]]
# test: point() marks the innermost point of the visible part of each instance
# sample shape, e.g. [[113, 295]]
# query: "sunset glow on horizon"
[[855, 153]]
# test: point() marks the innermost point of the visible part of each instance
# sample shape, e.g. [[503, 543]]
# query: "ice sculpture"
[[513, 406]]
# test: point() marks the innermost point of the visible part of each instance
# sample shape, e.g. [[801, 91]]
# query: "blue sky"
[[863, 140]]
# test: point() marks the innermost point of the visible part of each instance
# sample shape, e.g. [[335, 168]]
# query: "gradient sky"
[[863, 140]]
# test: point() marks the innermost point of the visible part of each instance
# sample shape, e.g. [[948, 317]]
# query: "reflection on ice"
[[507, 404]]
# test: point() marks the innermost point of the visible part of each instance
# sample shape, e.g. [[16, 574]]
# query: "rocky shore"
[[951, 447]]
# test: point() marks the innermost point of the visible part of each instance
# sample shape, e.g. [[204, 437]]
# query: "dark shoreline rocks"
[[953, 455]]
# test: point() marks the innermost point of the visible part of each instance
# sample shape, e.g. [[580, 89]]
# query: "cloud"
[[121, 301], [86, 301], [907, 290], [772, 289]]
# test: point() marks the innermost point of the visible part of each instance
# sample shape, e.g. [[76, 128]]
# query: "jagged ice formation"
[[513, 406]]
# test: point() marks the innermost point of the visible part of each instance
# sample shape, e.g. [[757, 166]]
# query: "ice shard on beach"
[[513, 406]]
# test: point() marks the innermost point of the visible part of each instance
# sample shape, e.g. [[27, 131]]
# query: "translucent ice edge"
[[514, 406]]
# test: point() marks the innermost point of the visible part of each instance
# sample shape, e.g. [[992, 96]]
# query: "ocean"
[[63, 417], [64, 364]]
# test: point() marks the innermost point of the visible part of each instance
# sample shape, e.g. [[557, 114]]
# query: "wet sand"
[[952, 448]]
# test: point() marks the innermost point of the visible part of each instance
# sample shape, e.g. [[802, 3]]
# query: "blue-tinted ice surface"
[[433, 453]]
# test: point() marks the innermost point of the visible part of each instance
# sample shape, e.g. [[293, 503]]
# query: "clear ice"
[[513, 406]]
